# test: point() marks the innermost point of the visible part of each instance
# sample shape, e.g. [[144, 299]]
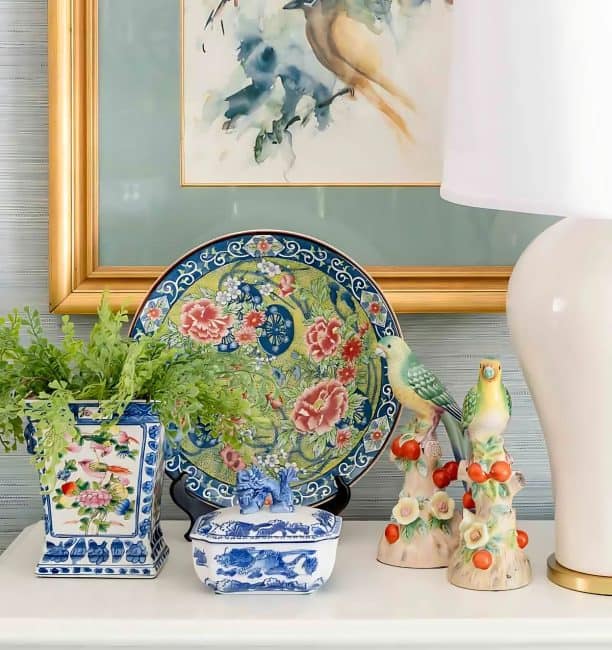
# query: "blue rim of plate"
[[216, 253]]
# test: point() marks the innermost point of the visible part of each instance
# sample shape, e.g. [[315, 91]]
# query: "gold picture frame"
[[76, 278]]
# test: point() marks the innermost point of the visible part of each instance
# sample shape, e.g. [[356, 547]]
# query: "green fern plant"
[[190, 385]]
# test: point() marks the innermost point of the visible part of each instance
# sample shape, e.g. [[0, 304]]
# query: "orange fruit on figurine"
[[522, 538], [392, 533], [440, 478], [468, 500], [482, 559], [476, 473], [410, 450], [500, 471], [452, 468], [396, 445]]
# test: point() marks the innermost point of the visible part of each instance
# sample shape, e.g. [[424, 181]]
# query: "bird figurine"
[[490, 554], [346, 47], [417, 388], [487, 406]]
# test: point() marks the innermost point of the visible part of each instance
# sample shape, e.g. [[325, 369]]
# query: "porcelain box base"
[[268, 553]]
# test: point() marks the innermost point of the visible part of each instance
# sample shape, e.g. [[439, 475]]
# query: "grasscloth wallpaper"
[[451, 344]]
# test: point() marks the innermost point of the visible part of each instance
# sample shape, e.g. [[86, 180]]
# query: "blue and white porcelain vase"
[[102, 514], [259, 548]]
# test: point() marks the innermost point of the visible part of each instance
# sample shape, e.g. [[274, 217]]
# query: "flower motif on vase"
[[296, 309], [95, 484]]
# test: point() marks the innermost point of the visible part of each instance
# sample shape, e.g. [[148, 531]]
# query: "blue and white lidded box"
[[265, 552]]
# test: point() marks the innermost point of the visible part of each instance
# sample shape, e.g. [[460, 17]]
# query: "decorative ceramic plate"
[[310, 319]]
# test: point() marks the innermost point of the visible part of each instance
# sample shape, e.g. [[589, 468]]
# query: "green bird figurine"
[[420, 390], [487, 406]]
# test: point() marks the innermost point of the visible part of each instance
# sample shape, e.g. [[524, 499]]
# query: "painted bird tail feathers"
[[367, 90], [459, 440]]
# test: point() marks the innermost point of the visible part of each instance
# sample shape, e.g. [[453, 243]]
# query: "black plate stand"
[[196, 507]]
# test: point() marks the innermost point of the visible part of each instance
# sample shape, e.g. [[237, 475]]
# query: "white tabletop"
[[365, 604]]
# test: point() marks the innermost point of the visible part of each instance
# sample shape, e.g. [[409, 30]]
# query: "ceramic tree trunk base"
[[102, 515], [490, 555], [424, 528]]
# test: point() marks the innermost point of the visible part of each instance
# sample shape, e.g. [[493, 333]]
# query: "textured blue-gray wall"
[[451, 345]]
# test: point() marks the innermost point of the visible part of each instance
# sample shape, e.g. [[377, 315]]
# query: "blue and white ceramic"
[[308, 319], [265, 552], [102, 514], [254, 487]]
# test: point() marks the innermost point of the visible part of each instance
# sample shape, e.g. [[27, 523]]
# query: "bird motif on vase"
[[418, 389], [99, 470]]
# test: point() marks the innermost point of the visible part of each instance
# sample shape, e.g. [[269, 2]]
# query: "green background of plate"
[[146, 218], [209, 460]]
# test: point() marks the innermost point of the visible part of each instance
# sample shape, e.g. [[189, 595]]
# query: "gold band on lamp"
[[585, 582]]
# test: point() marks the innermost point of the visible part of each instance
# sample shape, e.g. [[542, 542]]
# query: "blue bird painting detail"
[[290, 78], [257, 563]]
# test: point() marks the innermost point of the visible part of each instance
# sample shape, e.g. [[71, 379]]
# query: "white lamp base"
[[560, 318]]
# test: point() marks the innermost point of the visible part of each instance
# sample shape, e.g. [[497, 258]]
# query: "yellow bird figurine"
[[487, 406]]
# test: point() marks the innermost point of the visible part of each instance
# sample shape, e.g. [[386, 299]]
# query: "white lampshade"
[[530, 107]]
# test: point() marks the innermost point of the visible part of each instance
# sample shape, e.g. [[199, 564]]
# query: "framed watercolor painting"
[[302, 148], [315, 92]]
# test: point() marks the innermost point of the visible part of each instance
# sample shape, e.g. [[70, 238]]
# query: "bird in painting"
[[418, 389], [487, 406], [349, 49]]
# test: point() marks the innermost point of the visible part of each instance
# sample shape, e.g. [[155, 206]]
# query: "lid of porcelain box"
[[303, 525]]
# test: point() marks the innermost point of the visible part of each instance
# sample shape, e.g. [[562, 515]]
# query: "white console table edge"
[[365, 605]]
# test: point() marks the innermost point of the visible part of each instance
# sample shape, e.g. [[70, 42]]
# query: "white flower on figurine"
[[442, 506], [475, 533], [406, 510]]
